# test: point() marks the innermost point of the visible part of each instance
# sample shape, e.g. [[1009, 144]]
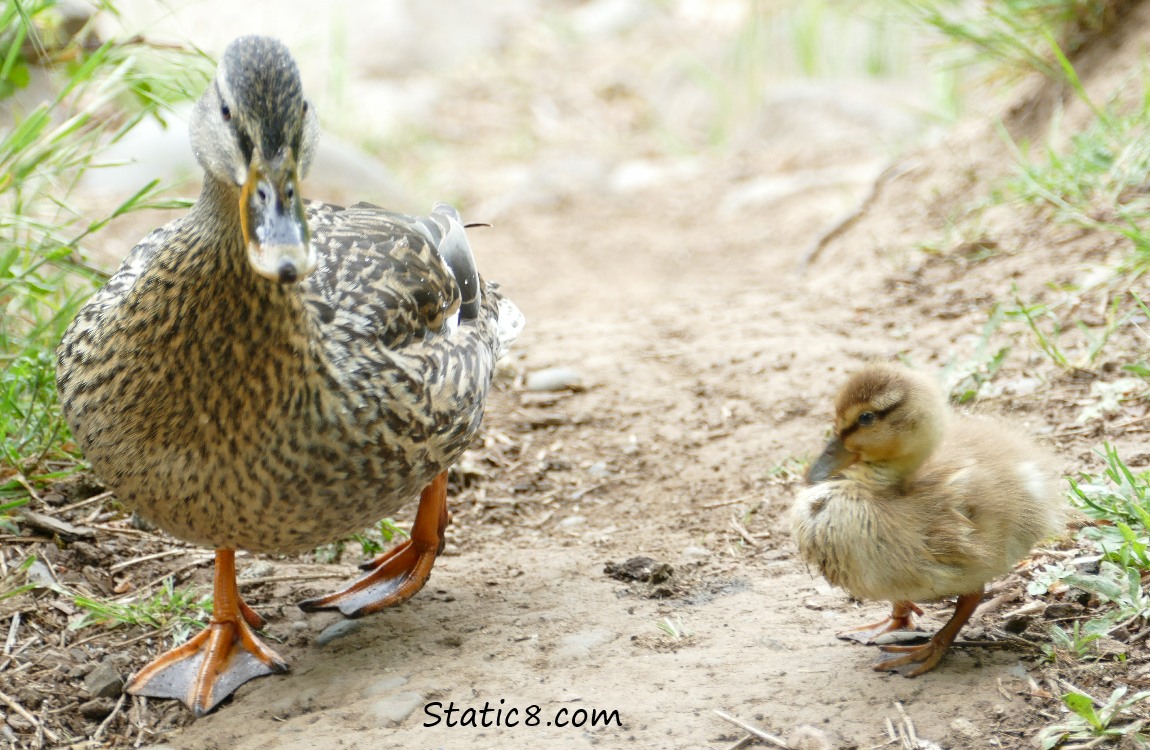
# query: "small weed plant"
[[1094, 722]]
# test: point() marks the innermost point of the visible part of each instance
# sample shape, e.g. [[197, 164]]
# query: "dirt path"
[[707, 365]]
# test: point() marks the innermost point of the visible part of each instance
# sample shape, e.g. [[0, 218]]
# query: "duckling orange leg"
[[901, 618], [930, 653], [397, 574], [225, 655]]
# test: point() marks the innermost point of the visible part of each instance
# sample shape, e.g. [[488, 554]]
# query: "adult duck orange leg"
[[901, 618], [930, 653], [225, 655], [397, 574]]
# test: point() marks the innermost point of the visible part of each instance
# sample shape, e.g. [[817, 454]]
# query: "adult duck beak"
[[273, 221], [835, 457]]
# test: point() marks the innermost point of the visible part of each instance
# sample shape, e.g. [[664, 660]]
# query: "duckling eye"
[[226, 112], [866, 419]]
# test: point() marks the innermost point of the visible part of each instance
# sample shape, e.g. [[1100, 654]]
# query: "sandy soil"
[[674, 288]]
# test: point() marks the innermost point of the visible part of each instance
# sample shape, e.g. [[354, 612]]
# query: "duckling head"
[[254, 131], [888, 418]]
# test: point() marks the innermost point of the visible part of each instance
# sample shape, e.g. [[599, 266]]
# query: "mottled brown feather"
[[235, 411]]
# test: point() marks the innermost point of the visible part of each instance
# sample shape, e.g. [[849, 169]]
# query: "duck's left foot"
[[399, 573], [901, 618], [911, 661]]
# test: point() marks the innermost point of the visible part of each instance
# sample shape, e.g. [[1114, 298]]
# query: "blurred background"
[[708, 210], [492, 105]]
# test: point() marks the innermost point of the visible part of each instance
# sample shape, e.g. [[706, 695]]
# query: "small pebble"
[[1017, 625], [640, 568], [104, 682], [121, 660], [142, 523], [337, 630], [394, 709], [555, 379], [87, 554], [97, 708], [258, 569], [599, 469], [965, 728]]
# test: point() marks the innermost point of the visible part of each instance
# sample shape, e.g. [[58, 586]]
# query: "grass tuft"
[[1017, 36], [97, 93], [178, 610], [1119, 503], [1098, 179]]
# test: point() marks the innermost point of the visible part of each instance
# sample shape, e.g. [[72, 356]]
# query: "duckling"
[[271, 374], [909, 502]]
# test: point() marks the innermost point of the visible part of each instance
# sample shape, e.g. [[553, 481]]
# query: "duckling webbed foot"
[[225, 655], [911, 661], [400, 572], [901, 618]]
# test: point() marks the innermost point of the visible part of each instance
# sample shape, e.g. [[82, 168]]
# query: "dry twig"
[[244, 582], [29, 717], [104, 724], [742, 531], [730, 501], [145, 558], [10, 641], [888, 175], [1002, 690], [87, 501], [906, 726], [746, 741], [764, 736], [140, 591]]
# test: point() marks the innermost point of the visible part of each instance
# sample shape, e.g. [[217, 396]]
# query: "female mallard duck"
[[909, 503], [271, 374]]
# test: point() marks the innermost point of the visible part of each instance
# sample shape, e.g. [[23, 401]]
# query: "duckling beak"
[[274, 224], [835, 458]]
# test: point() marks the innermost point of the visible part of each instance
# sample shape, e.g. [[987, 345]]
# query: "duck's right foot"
[[209, 667]]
